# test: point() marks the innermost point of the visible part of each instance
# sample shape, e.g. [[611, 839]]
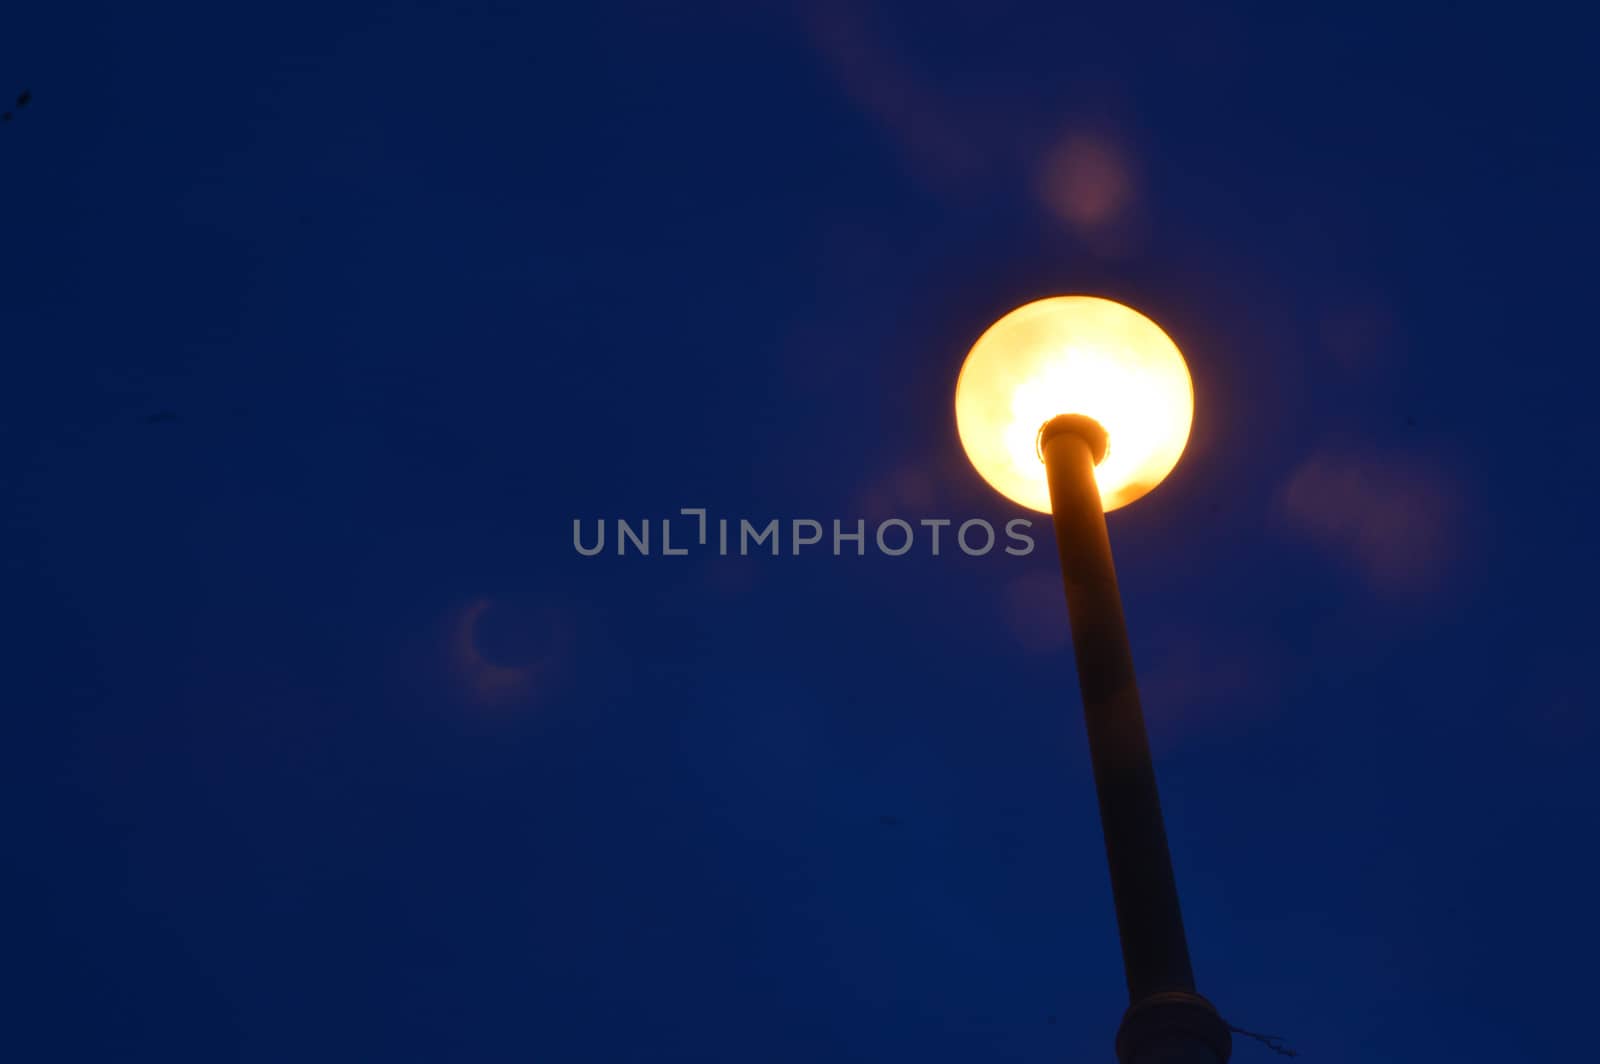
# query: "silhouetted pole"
[[1166, 1022]]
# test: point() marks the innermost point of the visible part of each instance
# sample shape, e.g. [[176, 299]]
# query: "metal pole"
[[1167, 1021]]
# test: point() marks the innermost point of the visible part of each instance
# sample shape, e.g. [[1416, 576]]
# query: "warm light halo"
[[1074, 355]]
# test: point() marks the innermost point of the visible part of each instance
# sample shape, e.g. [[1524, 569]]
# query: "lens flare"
[[1074, 355]]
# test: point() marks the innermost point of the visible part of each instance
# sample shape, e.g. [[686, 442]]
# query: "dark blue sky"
[[322, 322]]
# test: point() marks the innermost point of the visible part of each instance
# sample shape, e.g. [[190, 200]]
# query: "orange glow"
[[1074, 355], [486, 680], [1088, 182]]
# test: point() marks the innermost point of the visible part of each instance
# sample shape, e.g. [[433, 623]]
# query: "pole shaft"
[[1155, 953]]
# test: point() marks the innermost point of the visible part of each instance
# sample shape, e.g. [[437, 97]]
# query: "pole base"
[[1173, 1028]]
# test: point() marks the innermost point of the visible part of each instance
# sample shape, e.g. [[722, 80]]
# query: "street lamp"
[[1074, 406]]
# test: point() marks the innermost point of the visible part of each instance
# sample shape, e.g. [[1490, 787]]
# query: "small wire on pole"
[[1271, 1041]]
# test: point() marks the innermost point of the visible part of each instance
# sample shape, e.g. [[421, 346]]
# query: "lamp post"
[[1075, 406]]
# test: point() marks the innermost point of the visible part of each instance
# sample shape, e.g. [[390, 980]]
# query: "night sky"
[[322, 323]]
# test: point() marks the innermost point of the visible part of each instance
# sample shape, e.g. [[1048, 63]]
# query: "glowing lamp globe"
[[1074, 355]]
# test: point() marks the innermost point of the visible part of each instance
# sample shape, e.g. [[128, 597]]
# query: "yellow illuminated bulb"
[[1074, 355]]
